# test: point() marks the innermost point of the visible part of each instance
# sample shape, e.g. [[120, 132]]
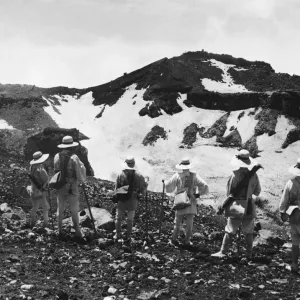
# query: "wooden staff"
[[51, 211], [88, 205], [161, 207]]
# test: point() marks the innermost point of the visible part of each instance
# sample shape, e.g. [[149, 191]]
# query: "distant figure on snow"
[[289, 209], [189, 182], [242, 210], [39, 179], [76, 173], [137, 186]]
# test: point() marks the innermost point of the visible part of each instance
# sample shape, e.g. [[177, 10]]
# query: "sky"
[[83, 43]]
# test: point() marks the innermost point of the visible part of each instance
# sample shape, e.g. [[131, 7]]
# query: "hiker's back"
[[76, 172], [138, 182], [249, 188], [294, 191]]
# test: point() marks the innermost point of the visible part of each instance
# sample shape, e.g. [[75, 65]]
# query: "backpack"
[[125, 192], [292, 212], [182, 198], [34, 180], [59, 179]]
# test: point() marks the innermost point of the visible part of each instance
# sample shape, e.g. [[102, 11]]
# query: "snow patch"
[[241, 69], [227, 85], [266, 142], [5, 125], [245, 125]]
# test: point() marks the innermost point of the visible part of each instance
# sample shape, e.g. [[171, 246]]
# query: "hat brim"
[[184, 167], [294, 170], [238, 163], [40, 160], [126, 167], [62, 146]]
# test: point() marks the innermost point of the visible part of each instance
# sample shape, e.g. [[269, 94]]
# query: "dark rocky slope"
[[165, 78]]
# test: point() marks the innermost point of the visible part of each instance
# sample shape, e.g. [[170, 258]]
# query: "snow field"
[[5, 125], [120, 132], [227, 85]]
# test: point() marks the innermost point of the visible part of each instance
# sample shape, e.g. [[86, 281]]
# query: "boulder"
[[47, 141], [267, 237], [4, 208], [103, 219], [14, 214]]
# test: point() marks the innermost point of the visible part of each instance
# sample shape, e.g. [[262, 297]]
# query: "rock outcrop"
[[251, 146], [292, 137], [47, 141], [267, 122], [156, 133], [217, 129], [190, 135], [233, 139]]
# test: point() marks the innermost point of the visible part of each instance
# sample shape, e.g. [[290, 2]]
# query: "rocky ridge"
[[164, 82]]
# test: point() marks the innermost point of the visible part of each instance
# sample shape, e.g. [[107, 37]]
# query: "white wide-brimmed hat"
[[67, 142], [185, 164], [129, 163], [38, 157], [243, 160], [295, 169]]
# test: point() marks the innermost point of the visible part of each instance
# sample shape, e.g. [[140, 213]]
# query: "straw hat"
[[243, 160], [38, 157], [295, 169], [67, 142], [185, 164], [129, 163]]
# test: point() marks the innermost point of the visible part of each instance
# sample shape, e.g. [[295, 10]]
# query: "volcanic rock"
[[292, 137], [102, 217], [190, 134], [233, 139], [217, 129], [251, 146], [155, 133], [47, 141], [267, 122]]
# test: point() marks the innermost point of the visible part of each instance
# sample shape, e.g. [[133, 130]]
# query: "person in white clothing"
[[290, 205], [188, 181], [76, 174]]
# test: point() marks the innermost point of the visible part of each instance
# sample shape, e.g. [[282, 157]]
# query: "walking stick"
[[88, 205], [51, 211], [147, 179], [161, 207], [238, 241]]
